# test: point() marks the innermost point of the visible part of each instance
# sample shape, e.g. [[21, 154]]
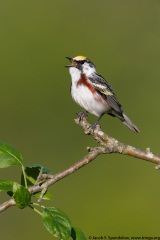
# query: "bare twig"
[[7, 204], [108, 145], [118, 147]]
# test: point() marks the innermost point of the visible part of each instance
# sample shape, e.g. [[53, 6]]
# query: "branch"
[[118, 147], [7, 204], [51, 179], [108, 145]]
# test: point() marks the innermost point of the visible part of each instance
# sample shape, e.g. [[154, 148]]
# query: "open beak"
[[71, 60]]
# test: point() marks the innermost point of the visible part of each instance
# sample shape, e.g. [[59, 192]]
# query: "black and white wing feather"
[[106, 91]]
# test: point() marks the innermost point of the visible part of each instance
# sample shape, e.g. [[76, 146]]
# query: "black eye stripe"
[[82, 61]]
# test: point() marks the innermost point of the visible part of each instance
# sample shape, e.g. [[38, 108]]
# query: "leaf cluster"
[[54, 220]]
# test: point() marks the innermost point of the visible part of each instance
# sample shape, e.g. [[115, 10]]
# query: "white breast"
[[85, 98]]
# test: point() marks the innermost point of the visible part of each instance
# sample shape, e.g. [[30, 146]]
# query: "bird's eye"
[[82, 61]]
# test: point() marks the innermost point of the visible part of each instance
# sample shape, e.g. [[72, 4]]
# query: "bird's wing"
[[106, 91]]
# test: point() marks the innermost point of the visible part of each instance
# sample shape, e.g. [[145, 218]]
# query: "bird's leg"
[[95, 124], [81, 115]]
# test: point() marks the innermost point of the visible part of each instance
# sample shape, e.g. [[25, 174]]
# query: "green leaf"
[[77, 234], [21, 195], [32, 171], [47, 195], [10, 193], [39, 166], [6, 185], [9, 156], [56, 222]]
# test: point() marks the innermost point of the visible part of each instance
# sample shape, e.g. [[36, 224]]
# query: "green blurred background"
[[114, 195]]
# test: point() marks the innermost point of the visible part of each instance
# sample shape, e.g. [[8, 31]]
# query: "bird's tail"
[[123, 117], [129, 123]]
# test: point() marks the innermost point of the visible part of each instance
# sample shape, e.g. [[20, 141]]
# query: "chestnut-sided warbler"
[[93, 93]]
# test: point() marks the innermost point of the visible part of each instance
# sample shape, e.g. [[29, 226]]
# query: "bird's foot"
[[82, 115], [93, 127]]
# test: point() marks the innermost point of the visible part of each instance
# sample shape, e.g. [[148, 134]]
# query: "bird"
[[93, 93]]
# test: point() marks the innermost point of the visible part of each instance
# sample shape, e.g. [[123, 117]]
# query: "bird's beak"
[[71, 60]]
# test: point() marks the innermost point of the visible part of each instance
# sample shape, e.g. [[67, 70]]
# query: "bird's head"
[[82, 63]]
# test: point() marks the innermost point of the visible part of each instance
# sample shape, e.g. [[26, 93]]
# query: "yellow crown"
[[80, 58]]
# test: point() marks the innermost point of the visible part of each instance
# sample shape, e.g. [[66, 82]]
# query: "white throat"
[[75, 74]]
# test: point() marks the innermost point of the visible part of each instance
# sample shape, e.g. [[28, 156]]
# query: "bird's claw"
[[93, 127], [82, 115]]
